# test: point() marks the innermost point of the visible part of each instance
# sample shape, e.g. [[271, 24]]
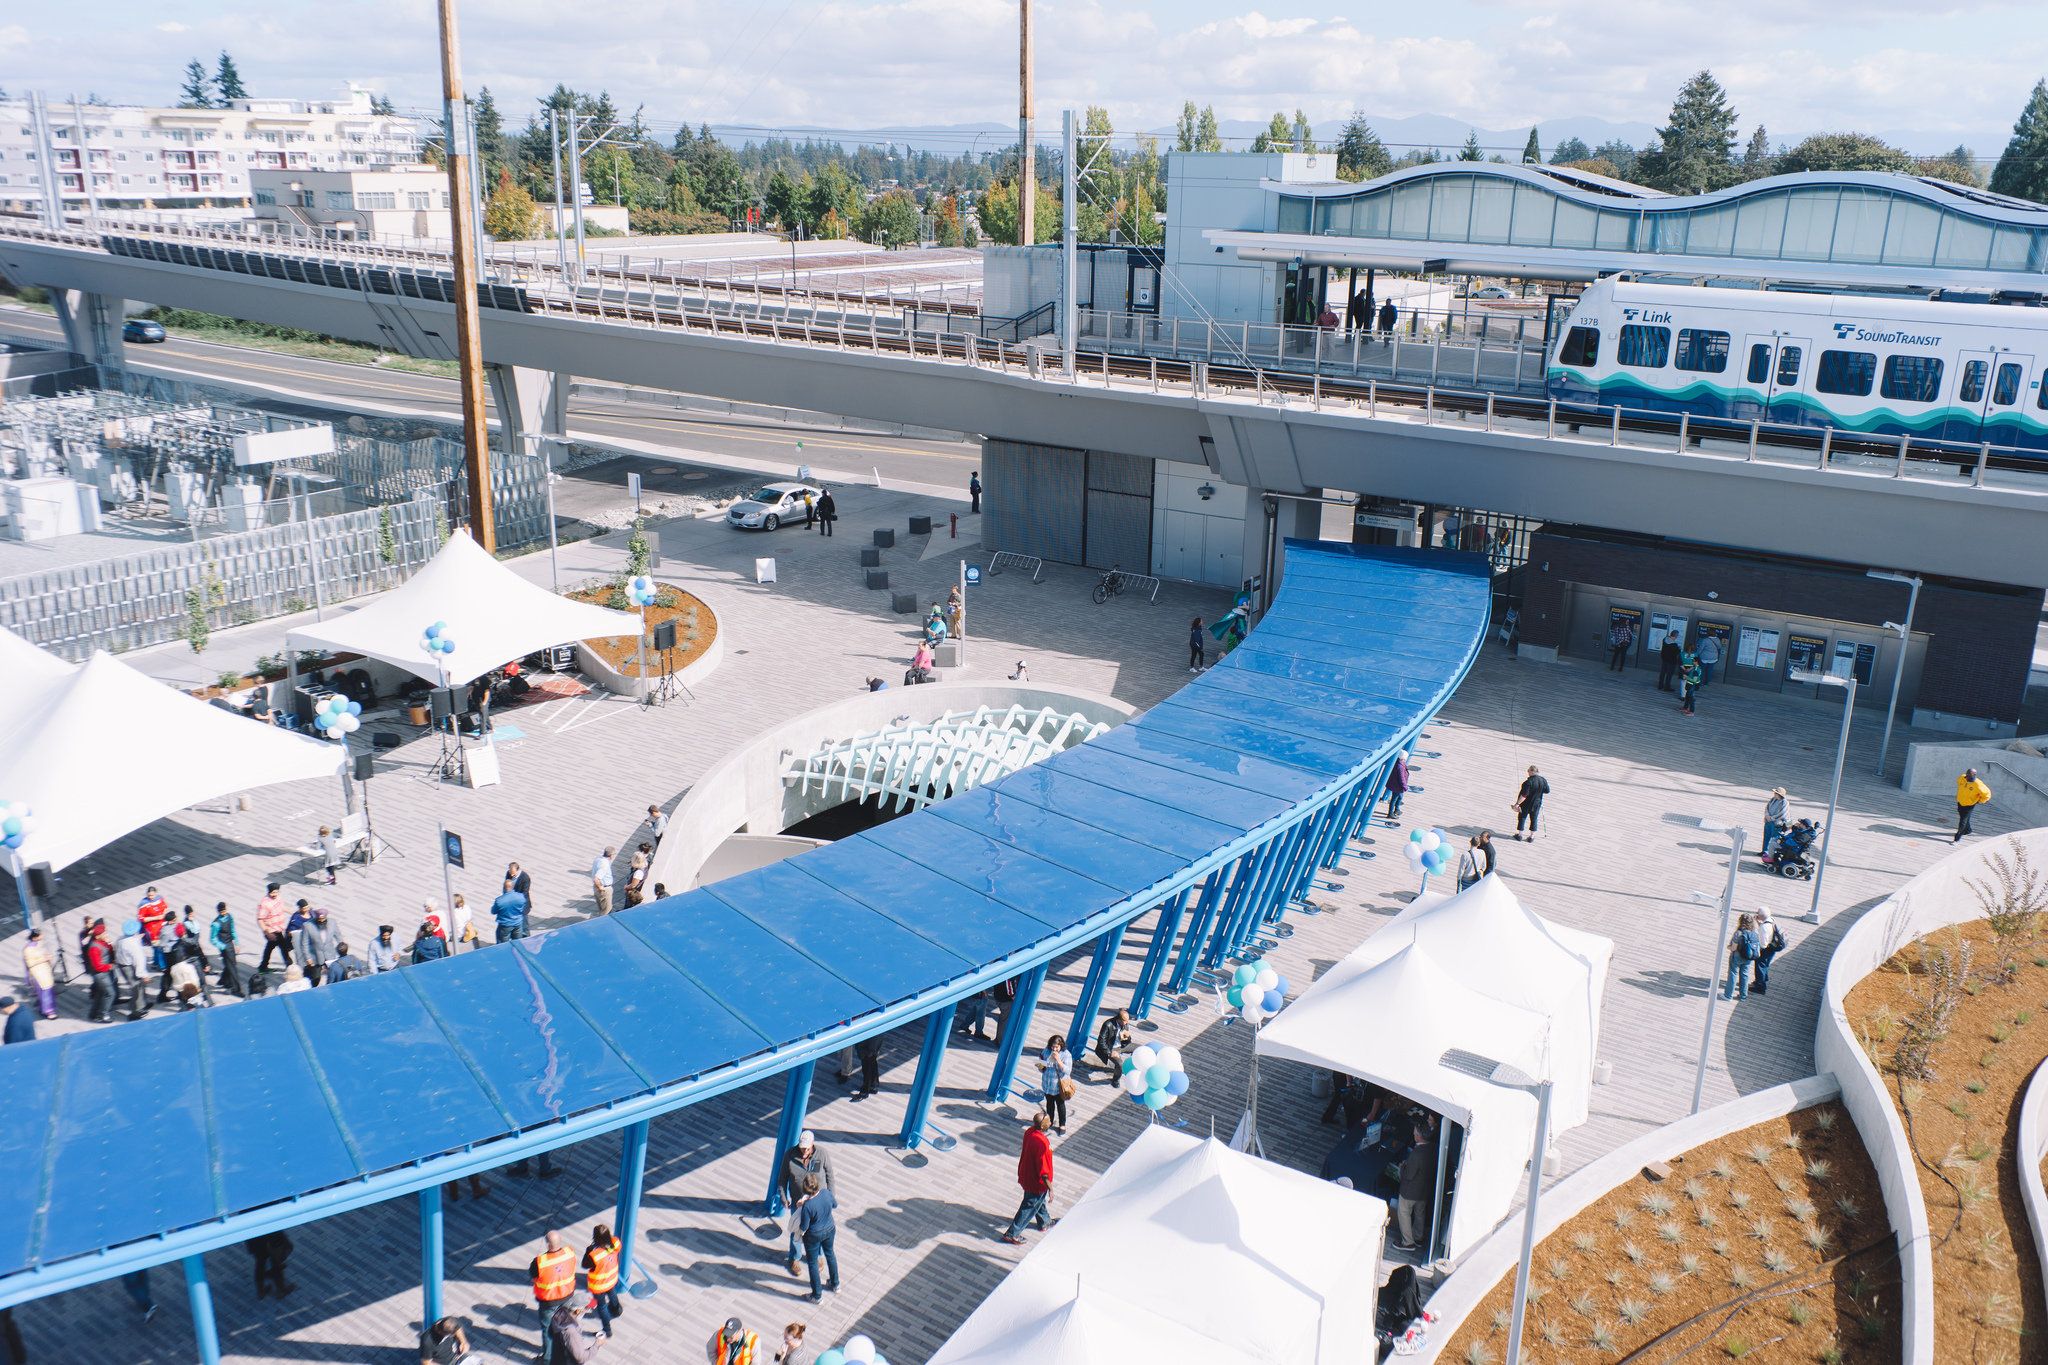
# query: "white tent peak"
[[493, 615], [25, 661]]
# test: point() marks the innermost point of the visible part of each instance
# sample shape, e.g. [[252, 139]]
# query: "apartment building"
[[196, 163]]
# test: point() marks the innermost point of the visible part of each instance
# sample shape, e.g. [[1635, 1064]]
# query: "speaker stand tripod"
[[664, 691]]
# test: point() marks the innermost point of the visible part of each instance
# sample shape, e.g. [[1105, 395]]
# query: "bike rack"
[[1002, 557]]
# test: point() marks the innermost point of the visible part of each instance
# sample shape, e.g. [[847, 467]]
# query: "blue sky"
[[1931, 73]]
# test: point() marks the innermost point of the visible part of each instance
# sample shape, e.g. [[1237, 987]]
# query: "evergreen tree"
[[1570, 150], [720, 183], [1470, 151], [780, 200], [1360, 155], [1695, 153], [1301, 134], [197, 91], [229, 80], [381, 104], [1757, 160], [1208, 138], [1188, 130], [947, 231], [490, 135], [2022, 169], [1619, 155], [1532, 155]]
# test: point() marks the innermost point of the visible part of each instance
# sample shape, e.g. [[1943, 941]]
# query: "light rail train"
[[1955, 372]]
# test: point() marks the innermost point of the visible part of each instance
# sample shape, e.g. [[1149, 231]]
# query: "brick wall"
[[1980, 643]]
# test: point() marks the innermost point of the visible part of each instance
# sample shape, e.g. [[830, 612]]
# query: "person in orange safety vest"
[[554, 1274], [601, 1275]]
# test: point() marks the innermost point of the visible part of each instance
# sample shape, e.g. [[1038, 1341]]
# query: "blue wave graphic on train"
[[1955, 373]]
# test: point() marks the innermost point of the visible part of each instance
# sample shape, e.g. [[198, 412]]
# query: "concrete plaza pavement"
[[917, 1244]]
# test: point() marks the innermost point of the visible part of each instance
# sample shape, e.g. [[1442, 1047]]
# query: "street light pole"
[[1847, 682], [1736, 836], [1507, 1077], [1905, 639]]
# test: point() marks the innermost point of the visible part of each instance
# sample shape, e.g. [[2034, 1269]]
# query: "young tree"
[[780, 200], [1301, 134], [1757, 160], [1360, 155], [1532, 155], [947, 231], [1695, 153], [2022, 169], [197, 91], [1279, 132], [1470, 151], [1958, 167], [1187, 131], [1843, 152], [229, 80], [891, 221], [1570, 150], [511, 216], [1208, 137]]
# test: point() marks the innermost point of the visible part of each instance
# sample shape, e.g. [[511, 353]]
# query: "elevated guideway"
[[1946, 511]]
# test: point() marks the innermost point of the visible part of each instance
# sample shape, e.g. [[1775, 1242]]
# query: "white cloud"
[[175, 27]]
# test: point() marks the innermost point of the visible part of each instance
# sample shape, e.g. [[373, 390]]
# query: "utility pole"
[[1070, 232], [1027, 173], [555, 140], [469, 338], [576, 189], [50, 178]]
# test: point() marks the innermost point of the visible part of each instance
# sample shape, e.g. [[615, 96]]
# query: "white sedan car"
[[771, 506]]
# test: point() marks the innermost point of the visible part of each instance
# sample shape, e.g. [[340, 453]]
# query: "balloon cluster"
[[641, 591], [856, 1351], [336, 715], [1428, 850], [436, 640], [1257, 991], [1153, 1076], [16, 824]]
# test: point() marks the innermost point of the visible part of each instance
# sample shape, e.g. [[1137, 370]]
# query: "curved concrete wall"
[[611, 680], [1483, 1267], [1930, 901], [745, 788]]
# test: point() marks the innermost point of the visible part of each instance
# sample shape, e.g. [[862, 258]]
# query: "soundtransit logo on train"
[[1854, 331], [1646, 315]]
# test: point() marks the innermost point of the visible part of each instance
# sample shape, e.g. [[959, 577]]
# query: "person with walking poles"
[[1034, 1175], [1620, 636], [1744, 948], [601, 1275], [1528, 802], [553, 1273], [800, 1162], [1970, 794], [828, 512]]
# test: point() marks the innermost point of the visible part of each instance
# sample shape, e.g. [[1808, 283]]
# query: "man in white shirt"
[[1709, 651], [601, 879], [657, 822]]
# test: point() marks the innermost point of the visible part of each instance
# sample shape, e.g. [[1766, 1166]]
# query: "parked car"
[[1490, 291], [771, 506], [142, 329]]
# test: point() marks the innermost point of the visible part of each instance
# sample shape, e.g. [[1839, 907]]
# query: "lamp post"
[[1846, 681], [1736, 835], [1507, 1077], [1905, 637]]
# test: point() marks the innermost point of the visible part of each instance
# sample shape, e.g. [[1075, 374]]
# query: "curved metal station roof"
[[201, 1129]]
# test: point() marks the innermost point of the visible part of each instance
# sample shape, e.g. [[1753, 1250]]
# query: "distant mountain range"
[[1398, 134]]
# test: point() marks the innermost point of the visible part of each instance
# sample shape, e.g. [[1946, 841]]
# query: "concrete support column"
[[1097, 982], [201, 1295], [938, 1032], [1016, 1024], [529, 403], [92, 325], [632, 1187], [433, 1255], [796, 1101]]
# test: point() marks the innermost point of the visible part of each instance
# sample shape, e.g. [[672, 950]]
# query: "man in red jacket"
[[1034, 1173], [99, 962]]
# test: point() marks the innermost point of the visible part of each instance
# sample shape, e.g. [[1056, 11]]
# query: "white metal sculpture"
[[915, 765]]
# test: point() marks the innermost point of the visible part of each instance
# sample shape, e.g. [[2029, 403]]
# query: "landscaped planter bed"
[[696, 629], [1771, 1242]]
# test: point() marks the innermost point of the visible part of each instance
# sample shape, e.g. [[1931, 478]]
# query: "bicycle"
[[1112, 585]]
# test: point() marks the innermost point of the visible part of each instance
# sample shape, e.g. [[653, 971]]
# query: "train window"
[[1646, 348], [1971, 390], [1847, 372], [2006, 391], [1698, 350], [1911, 378], [1788, 366], [1581, 347], [1759, 363], [2041, 398]]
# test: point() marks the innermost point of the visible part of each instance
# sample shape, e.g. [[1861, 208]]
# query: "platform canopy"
[[1390, 1024], [104, 751], [491, 613], [1244, 1260]]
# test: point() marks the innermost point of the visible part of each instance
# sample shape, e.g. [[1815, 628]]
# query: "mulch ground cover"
[[696, 628]]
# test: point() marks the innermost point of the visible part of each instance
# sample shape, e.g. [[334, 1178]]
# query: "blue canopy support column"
[[1106, 949], [1247, 872], [1250, 906], [1191, 945], [632, 1187], [201, 1294], [1016, 1024], [938, 1032], [1155, 956], [1362, 819], [433, 1257], [796, 1101]]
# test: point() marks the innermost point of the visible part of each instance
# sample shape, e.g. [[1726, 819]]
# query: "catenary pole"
[[1027, 171], [469, 339]]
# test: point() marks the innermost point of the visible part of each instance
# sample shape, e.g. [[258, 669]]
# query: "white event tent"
[[98, 750], [1498, 947], [1184, 1250], [1390, 1023], [493, 615]]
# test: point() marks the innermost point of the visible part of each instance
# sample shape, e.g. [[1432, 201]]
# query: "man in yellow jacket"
[[1970, 794]]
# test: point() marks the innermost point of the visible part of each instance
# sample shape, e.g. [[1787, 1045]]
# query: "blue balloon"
[[355, 708], [1272, 1003], [13, 840], [447, 645], [1281, 985], [1156, 1075], [1176, 1084], [1138, 1098]]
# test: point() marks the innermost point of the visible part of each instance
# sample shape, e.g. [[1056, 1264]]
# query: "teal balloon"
[[1244, 976], [10, 826], [440, 628], [1155, 1099], [1156, 1076], [1414, 836], [1235, 995], [1129, 1066], [835, 1356]]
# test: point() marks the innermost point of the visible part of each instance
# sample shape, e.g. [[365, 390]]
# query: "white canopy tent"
[[103, 750], [1390, 1023], [493, 615], [1498, 947], [1194, 1253]]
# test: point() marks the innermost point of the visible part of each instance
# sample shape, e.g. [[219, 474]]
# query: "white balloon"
[[1427, 842], [1252, 1012], [1143, 1055], [17, 809], [1169, 1057], [860, 1349], [1134, 1082], [1170, 1098], [1267, 980]]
